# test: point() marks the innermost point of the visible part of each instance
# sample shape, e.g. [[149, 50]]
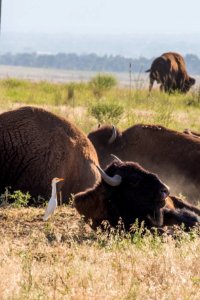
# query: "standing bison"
[[129, 192], [174, 156], [36, 146], [170, 71]]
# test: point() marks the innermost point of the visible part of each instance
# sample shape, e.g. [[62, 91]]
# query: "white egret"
[[53, 200]]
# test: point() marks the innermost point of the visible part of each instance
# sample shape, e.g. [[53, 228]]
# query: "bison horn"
[[114, 135], [113, 181], [187, 131], [117, 158]]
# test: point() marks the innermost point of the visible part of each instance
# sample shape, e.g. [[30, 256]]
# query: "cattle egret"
[[53, 200]]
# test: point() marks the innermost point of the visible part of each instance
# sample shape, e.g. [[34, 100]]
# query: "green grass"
[[175, 111]]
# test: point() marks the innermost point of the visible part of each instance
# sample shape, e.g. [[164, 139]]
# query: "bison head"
[[187, 84], [127, 192], [106, 139]]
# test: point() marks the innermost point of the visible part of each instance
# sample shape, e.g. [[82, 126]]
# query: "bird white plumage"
[[53, 200]]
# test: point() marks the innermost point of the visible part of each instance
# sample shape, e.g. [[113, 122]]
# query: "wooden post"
[[130, 79]]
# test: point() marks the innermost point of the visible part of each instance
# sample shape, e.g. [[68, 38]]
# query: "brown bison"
[[129, 192], [36, 146], [174, 156], [170, 71]]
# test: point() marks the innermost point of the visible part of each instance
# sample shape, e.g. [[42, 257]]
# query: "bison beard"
[[170, 71], [140, 195]]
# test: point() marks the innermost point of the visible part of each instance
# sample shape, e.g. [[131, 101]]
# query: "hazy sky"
[[101, 16]]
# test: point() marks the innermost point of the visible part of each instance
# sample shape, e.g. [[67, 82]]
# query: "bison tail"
[[147, 71]]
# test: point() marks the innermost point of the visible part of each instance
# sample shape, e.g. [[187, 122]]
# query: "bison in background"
[[129, 192], [36, 146], [174, 156], [170, 71]]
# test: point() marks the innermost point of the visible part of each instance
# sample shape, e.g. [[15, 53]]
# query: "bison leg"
[[151, 84], [161, 88], [179, 217], [180, 204]]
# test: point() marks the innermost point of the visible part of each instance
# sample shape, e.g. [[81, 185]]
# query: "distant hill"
[[89, 62], [127, 45]]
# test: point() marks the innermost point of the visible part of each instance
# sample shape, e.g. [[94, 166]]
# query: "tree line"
[[89, 62]]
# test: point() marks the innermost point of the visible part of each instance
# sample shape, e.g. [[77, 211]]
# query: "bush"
[[17, 199], [107, 113], [20, 199], [101, 83]]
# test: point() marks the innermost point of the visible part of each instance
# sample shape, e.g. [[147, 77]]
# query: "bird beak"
[[60, 179]]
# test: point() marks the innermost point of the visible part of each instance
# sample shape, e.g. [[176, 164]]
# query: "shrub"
[[20, 199], [101, 83], [107, 113], [17, 199]]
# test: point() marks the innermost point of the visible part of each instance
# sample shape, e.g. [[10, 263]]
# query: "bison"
[[174, 156], [170, 71], [36, 146], [128, 192]]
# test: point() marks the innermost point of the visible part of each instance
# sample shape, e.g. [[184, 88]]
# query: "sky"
[[101, 16]]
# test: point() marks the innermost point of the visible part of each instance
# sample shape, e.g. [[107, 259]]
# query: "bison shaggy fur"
[[140, 195], [174, 156], [170, 71], [36, 146]]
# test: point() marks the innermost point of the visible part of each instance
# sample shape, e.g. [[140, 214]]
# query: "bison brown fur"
[[36, 146], [174, 156], [170, 71], [140, 195]]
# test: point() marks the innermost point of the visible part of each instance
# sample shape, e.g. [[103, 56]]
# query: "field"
[[63, 258]]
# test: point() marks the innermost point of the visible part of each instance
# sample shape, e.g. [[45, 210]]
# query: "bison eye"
[[134, 184], [135, 181]]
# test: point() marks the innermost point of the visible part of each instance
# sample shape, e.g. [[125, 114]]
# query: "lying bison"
[[129, 192], [36, 146], [170, 71], [174, 156]]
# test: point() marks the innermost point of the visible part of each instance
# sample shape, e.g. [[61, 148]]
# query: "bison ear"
[[192, 81]]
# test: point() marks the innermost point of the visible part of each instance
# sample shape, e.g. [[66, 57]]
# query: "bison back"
[[36, 145]]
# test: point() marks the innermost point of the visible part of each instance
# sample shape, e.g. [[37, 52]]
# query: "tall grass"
[[75, 100]]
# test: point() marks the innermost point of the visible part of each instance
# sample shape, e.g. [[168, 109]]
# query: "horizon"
[[129, 45], [129, 28]]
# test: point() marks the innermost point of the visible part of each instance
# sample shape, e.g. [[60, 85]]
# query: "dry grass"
[[65, 259]]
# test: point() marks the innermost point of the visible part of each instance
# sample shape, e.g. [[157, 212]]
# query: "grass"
[[75, 100], [63, 258]]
